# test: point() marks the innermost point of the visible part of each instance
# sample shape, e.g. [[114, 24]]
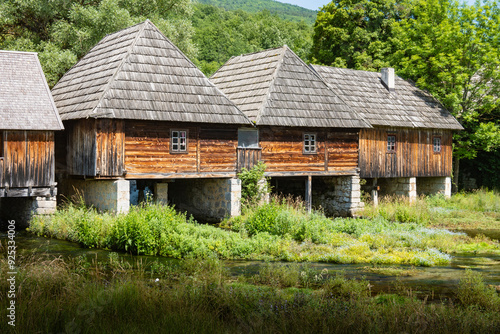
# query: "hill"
[[283, 10]]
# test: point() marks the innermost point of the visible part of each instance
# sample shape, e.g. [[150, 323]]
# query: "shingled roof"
[[25, 99], [138, 73], [407, 106], [275, 87]]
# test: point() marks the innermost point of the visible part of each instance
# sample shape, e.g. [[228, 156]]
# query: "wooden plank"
[[184, 175], [26, 192]]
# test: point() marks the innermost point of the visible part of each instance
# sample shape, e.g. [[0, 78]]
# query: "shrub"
[[252, 188]]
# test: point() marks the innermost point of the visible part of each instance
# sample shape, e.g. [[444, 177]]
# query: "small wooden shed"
[[304, 129], [28, 119], [409, 149], [136, 108]]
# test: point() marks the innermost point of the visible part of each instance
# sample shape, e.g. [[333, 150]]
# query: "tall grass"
[[278, 230], [82, 296], [478, 209]]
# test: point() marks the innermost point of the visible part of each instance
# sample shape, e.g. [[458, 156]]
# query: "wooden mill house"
[[139, 114], [28, 119], [306, 135], [408, 150]]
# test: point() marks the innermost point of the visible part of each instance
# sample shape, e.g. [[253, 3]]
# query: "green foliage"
[[474, 292], [62, 31], [283, 10], [80, 295], [356, 34], [221, 34], [254, 186]]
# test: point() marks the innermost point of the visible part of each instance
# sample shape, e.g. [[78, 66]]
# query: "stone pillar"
[[434, 185], [338, 196], [402, 186], [208, 200], [263, 186], [161, 193], [44, 205], [106, 195]]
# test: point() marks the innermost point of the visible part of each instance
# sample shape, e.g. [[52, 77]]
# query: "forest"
[[448, 48]]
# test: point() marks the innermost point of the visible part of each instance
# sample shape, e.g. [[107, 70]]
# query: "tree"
[[453, 51], [356, 33], [62, 31]]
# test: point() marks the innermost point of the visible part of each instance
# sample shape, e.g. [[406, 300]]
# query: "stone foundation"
[[434, 185], [338, 196], [105, 195], [161, 193], [401, 186], [208, 200], [22, 209]]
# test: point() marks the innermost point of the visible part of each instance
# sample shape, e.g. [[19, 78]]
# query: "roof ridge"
[[271, 83], [119, 68]]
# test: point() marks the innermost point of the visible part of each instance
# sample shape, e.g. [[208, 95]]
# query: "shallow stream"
[[435, 282]]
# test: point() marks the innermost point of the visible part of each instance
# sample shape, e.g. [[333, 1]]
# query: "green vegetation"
[[476, 210], [279, 230], [221, 34], [283, 10], [254, 186], [82, 295], [447, 47]]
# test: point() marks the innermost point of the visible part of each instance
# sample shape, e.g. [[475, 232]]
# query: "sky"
[[316, 4]]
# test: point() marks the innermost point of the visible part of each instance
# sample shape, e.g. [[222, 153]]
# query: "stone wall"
[[106, 195], [399, 186], [338, 196], [22, 209], [434, 185], [208, 200]]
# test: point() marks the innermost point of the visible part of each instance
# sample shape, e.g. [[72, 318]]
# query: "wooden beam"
[[309, 193], [223, 175], [350, 172], [25, 192]]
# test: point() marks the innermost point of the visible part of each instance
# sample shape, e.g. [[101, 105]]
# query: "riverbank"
[[281, 230], [81, 295]]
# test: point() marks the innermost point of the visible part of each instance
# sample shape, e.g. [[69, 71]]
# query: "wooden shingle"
[[275, 87], [408, 106], [25, 99], [138, 73]]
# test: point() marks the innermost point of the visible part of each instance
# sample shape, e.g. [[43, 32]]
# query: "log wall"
[[413, 157], [211, 150], [282, 150]]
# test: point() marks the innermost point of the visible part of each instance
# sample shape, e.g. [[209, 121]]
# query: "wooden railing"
[[248, 157]]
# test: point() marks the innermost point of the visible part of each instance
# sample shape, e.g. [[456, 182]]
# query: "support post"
[[309, 193], [375, 193]]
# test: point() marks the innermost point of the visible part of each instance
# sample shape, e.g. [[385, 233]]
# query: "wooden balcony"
[[248, 157]]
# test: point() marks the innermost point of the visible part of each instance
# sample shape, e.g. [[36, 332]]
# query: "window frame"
[[393, 150], [440, 145], [315, 145], [178, 151], [256, 131]]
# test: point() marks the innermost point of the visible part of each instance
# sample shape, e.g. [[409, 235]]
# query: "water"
[[424, 281]]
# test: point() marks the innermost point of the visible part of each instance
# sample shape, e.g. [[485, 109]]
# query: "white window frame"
[[310, 143], [176, 142]]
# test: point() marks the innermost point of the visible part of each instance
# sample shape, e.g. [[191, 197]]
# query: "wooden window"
[[178, 141], [248, 138], [436, 144], [391, 143], [310, 143]]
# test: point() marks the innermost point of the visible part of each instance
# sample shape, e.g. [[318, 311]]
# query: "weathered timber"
[[28, 192], [282, 150], [220, 175], [28, 159], [308, 193], [413, 157], [248, 157]]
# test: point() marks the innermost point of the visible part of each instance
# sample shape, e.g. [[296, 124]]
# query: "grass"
[[280, 230], [476, 210], [81, 295]]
